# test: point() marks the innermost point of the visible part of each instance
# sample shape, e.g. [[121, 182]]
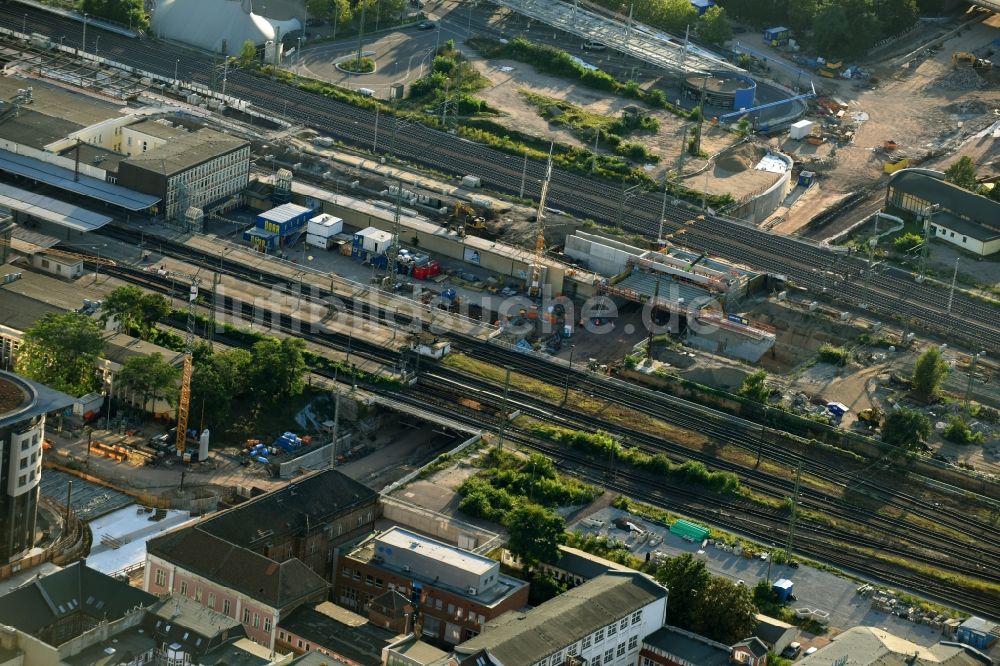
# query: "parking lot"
[[813, 588]]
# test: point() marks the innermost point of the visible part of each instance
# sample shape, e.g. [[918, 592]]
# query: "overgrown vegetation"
[[958, 431], [358, 65], [131, 13], [605, 447], [832, 354]]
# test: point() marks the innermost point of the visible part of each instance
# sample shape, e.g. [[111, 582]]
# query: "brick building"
[[259, 561], [336, 632], [457, 591]]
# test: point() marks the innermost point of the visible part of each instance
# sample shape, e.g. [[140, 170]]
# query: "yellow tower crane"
[[184, 402], [535, 290]]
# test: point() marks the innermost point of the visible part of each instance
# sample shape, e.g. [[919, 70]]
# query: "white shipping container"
[[471, 181], [323, 242], [325, 225]]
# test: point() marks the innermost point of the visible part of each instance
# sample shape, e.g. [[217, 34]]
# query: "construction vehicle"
[[535, 289], [465, 215], [831, 69], [967, 59]]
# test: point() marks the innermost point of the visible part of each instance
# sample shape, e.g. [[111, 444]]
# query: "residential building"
[[336, 632], [262, 559], [978, 633], [457, 591], [774, 633], [184, 168], [55, 618], [186, 630], [603, 621], [409, 650], [869, 646], [23, 406], [962, 218]]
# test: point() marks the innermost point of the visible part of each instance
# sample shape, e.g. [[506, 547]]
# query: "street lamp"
[[97, 44], [569, 369], [83, 42], [24, 24], [176, 65]]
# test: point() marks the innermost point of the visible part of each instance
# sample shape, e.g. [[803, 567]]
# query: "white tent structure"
[[216, 25]]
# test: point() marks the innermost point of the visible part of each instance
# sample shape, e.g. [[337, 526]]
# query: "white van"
[[367, 92], [592, 45]]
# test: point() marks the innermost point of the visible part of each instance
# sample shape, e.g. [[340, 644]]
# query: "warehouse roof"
[[979, 211], [869, 646], [960, 225], [185, 151], [35, 129], [160, 130], [522, 638], [51, 210], [19, 312], [81, 184]]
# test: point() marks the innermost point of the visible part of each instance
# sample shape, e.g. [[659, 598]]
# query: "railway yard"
[[474, 301]]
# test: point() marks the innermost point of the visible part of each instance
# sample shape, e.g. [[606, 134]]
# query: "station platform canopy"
[[85, 186], [51, 210]]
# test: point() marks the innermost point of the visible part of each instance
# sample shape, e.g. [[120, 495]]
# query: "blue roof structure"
[[86, 186], [51, 210]]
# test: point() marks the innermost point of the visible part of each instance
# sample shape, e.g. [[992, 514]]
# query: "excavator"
[[465, 215], [967, 59]]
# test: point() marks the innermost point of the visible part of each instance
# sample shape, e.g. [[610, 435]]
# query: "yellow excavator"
[[466, 216], [967, 59]]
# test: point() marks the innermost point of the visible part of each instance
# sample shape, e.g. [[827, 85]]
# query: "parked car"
[[591, 45], [809, 651], [792, 651], [426, 25], [367, 92]]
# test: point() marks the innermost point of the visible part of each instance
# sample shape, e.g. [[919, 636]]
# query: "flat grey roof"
[[158, 129], [690, 648], [670, 290], [86, 186], [432, 549], [35, 129], [186, 151], [960, 225], [51, 210]]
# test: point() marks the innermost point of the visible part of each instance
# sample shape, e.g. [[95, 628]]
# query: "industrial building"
[[23, 407], [219, 26], [669, 646], [696, 291], [458, 592], [184, 169], [604, 620], [262, 559], [962, 218]]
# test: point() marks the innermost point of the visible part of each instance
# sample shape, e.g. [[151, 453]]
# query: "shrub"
[[427, 85], [637, 152], [656, 97], [907, 242], [361, 66], [958, 431], [831, 354], [444, 64]]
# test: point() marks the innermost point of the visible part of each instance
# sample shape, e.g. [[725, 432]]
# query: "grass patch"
[[357, 65]]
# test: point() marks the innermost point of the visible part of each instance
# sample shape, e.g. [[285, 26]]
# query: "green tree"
[[958, 431], [801, 14], [725, 611], [248, 53], [126, 12], [319, 9], [993, 193], [278, 368], [60, 350], [755, 387], [535, 534], [146, 379], [906, 428], [897, 15], [713, 26], [219, 380], [686, 577], [907, 242], [135, 311], [930, 370], [962, 172]]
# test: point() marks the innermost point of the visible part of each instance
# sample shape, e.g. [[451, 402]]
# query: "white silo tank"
[[203, 445]]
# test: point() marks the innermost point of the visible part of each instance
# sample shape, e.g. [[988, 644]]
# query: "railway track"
[[892, 295], [899, 539]]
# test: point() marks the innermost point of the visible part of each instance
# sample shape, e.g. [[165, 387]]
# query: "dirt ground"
[[734, 174], [922, 104], [509, 76]]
